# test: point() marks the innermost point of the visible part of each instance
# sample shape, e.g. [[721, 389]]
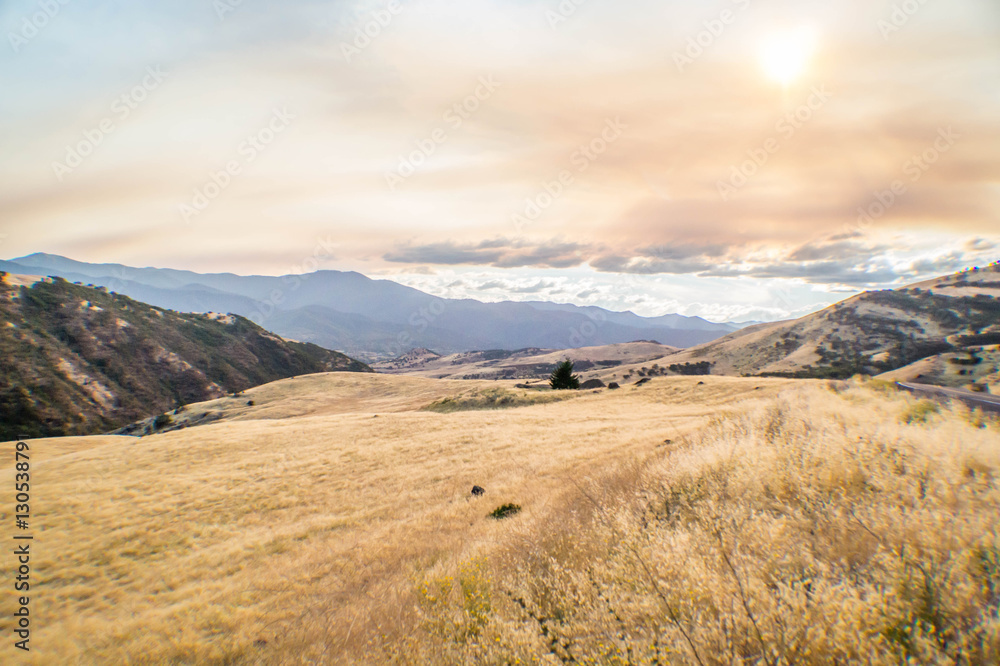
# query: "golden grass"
[[815, 528], [496, 398], [920, 411], [296, 530]]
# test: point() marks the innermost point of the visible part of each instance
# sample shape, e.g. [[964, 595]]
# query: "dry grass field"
[[331, 522]]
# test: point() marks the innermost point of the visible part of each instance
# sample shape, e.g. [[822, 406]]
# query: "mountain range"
[[80, 360], [374, 319], [944, 332]]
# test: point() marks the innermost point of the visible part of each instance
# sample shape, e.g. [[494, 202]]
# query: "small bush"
[[162, 421], [497, 398], [505, 511], [882, 386], [920, 411]]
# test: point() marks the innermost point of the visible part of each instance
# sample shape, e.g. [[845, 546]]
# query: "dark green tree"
[[563, 377]]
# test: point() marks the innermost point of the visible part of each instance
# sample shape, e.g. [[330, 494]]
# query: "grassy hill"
[[691, 520], [80, 360], [874, 332]]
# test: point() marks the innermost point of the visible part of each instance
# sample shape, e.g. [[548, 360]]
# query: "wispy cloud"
[[649, 206]]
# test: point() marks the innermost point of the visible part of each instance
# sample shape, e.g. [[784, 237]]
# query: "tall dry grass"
[[823, 527], [783, 522], [296, 530]]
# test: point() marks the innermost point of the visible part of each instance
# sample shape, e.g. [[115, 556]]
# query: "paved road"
[[983, 401]]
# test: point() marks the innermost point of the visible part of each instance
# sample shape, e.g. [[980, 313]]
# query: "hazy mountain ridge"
[[872, 333], [376, 319], [944, 331], [78, 360]]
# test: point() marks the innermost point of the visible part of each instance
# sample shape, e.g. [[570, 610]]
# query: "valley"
[[310, 512], [329, 515], [332, 520]]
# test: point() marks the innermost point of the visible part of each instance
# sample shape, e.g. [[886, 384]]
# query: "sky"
[[733, 159]]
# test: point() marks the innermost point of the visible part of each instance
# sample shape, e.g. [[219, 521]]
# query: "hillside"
[[975, 368], [332, 522], [375, 319], [874, 332], [523, 363], [79, 360], [296, 525]]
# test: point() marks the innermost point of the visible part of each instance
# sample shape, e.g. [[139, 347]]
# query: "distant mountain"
[[957, 316], [375, 319], [672, 321], [78, 360]]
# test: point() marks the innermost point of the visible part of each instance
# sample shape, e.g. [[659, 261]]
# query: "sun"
[[785, 56]]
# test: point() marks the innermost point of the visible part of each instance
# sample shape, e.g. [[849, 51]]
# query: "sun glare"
[[785, 56]]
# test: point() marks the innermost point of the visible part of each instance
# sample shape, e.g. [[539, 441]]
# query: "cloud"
[[688, 250], [616, 263], [538, 287], [837, 250], [979, 245], [948, 263], [846, 260], [501, 253], [648, 206], [817, 272]]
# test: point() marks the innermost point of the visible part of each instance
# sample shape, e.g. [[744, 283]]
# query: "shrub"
[[492, 398], [700, 368], [563, 378], [920, 411], [883, 386], [505, 511], [162, 421]]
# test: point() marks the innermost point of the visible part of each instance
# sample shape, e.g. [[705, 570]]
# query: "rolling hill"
[[331, 522], [949, 318], [375, 319], [78, 360]]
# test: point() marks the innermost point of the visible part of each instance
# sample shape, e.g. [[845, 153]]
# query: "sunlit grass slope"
[[296, 529], [831, 525]]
